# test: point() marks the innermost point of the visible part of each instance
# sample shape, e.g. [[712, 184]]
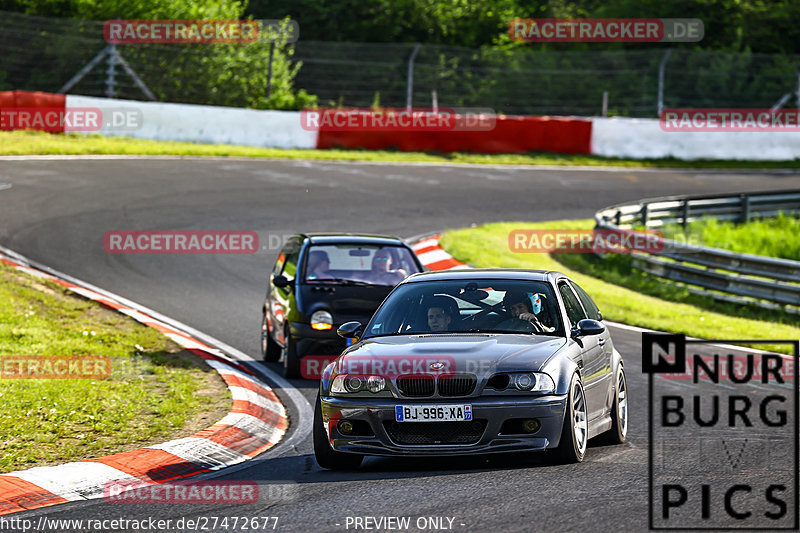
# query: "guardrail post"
[[685, 214], [745, 218], [644, 215]]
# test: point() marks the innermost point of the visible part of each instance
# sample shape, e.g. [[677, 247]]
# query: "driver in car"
[[439, 313], [518, 306]]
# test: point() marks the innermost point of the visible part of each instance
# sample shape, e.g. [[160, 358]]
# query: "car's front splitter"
[[492, 413]]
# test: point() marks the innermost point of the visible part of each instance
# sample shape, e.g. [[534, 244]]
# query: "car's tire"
[[326, 456], [270, 350], [575, 429], [619, 410], [291, 359]]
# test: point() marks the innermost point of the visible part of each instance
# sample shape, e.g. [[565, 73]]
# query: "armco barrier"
[[510, 135], [734, 277]]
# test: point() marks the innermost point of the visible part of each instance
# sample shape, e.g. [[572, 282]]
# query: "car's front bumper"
[[495, 411]]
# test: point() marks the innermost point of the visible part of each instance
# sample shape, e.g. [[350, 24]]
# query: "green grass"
[[772, 237], [647, 303], [39, 143], [155, 392]]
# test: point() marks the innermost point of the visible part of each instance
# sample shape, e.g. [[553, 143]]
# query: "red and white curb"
[[256, 422], [433, 257]]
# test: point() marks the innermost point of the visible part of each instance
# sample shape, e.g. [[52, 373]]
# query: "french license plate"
[[433, 413]]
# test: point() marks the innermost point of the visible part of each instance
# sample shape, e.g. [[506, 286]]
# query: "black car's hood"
[[481, 354]]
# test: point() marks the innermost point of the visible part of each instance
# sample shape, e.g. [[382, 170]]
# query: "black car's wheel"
[[575, 430], [270, 350], [619, 411], [326, 456], [291, 359]]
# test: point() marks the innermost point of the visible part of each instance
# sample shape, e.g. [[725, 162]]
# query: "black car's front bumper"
[[495, 411]]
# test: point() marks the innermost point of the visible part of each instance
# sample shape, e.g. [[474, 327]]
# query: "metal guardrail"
[[734, 277]]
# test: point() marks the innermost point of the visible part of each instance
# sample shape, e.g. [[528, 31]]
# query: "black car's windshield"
[[358, 264], [473, 306]]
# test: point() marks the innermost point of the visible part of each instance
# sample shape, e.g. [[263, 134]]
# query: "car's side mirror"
[[350, 330], [280, 281], [588, 327]]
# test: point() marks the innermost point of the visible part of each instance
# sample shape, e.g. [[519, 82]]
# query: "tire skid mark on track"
[[257, 421]]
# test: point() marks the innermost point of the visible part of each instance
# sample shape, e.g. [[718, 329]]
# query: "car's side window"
[[575, 312], [276, 270], [588, 304], [292, 253]]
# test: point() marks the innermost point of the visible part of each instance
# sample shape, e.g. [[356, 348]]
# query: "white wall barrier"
[[634, 138], [204, 124], [643, 138]]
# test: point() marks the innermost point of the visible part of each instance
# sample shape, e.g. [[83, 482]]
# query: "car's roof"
[[355, 238], [485, 273]]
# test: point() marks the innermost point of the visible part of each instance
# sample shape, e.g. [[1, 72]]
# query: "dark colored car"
[[473, 361], [321, 281]]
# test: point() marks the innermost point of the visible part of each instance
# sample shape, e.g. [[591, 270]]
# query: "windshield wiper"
[[344, 281]]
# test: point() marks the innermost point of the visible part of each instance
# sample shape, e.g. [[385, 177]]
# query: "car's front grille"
[[422, 385], [456, 384], [419, 433], [416, 385]]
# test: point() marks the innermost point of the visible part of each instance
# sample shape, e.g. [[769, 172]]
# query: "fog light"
[[531, 425], [345, 427]]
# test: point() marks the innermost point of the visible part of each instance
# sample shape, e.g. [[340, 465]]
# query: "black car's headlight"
[[531, 381], [348, 383], [321, 320]]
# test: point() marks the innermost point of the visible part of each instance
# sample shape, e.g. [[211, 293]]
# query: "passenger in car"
[[384, 268], [518, 307]]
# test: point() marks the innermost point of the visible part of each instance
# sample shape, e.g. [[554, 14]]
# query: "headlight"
[[321, 320], [532, 381], [344, 383], [376, 384]]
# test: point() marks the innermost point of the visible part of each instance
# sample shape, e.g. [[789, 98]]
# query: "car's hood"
[[481, 354]]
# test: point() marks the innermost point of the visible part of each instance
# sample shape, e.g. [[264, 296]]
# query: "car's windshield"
[[468, 306], [358, 263]]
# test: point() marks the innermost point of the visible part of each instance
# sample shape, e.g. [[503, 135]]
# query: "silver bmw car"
[[473, 361]]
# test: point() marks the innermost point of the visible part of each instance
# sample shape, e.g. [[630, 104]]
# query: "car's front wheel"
[[619, 412], [326, 456], [291, 359], [270, 350], [575, 430]]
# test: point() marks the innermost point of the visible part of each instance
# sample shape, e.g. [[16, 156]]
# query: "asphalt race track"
[[57, 211]]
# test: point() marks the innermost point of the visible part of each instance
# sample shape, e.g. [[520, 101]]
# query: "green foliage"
[[772, 237], [128, 9], [733, 25]]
